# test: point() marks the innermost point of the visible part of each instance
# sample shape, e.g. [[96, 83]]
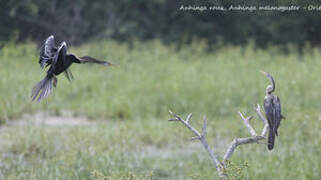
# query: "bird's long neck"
[[73, 59], [270, 90]]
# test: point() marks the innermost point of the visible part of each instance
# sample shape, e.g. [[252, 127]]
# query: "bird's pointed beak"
[[108, 64], [263, 72]]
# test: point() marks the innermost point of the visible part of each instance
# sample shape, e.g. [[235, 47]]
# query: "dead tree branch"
[[260, 115], [248, 140], [254, 138], [201, 137]]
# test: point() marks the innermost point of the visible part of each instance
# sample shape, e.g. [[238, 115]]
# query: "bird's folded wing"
[[60, 56], [278, 115], [268, 108]]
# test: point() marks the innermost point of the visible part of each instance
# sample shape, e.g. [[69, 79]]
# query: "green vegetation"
[[124, 20], [128, 105]]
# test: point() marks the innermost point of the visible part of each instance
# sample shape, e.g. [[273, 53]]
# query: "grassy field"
[[128, 135]]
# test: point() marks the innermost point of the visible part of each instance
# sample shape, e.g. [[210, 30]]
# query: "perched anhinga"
[[272, 108], [59, 61]]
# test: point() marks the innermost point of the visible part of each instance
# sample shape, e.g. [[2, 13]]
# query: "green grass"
[[130, 104]]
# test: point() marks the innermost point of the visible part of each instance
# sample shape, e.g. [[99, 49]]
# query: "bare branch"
[[260, 115], [202, 138], [173, 119], [188, 117], [249, 140], [247, 124], [195, 138], [239, 141], [234, 144]]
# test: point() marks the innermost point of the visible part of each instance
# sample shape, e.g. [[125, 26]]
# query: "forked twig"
[[249, 140], [201, 137], [234, 144]]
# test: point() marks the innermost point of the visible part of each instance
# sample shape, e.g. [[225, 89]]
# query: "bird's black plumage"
[[59, 61], [48, 51], [272, 108]]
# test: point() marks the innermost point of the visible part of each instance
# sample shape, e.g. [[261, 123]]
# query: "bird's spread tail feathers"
[[271, 139], [43, 88]]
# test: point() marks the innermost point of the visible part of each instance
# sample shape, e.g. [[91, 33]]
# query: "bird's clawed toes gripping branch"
[[220, 165]]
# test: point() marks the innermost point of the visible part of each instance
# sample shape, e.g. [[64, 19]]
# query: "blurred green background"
[[112, 122], [126, 20]]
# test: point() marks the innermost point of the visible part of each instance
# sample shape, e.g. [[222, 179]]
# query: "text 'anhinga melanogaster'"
[[272, 108], [59, 61]]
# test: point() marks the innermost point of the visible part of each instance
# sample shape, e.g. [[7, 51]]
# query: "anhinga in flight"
[[272, 108], [59, 61]]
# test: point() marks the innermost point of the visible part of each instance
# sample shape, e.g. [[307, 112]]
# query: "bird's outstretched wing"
[[47, 52], [88, 59]]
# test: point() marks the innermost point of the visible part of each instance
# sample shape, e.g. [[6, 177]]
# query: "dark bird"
[[272, 108], [59, 61]]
